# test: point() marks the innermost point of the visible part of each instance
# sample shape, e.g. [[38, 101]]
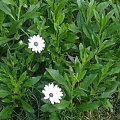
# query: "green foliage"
[[27, 107], [6, 112], [15, 85], [81, 55]]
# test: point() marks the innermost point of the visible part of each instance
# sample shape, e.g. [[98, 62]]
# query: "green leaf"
[[96, 66], [73, 28], [16, 25], [35, 67], [107, 94], [4, 40], [62, 105], [82, 26], [88, 81], [115, 70], [9, 2], [33, 7], [89, 105], [81, 49], [3, 80], [79, 20], [56, 26], [63, 29], [59, 78], [4, 93], [27, 107], [113, 28], [80, 2], [60, 17], [54, 116], [91, 55], [102, 6], [108, 43], [81, 75], [32, 81], [6, 112], [22, 78], [71, 37], [111, 88], [86, 30], [31, 15], [2, 17], [50, 3], [48, 108], [97, 16], [79, 92], [31, 116], [6, 100], [68, 46], [6, 9], [107, 105], [32, 11], [106, 68]]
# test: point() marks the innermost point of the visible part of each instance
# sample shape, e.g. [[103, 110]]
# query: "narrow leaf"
[[89, 105], [9, 2], [62, 105], [88, 81], [4, 40], [32, 81], [60, 17], [22, 78], [59, 78], [5, 9], [4, 93], [48, 108], [16, 25], [27, 107], [2, 17], [73, 28], [6, 112]]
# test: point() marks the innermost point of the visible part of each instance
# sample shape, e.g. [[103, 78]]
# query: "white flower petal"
[[46, 97], [39, 40], [57, 101], [52, 101], [49, 90]]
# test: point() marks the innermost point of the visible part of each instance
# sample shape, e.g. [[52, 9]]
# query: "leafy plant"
[[81, 55], [16, 86]]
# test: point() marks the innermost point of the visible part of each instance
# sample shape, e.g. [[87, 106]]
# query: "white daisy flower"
[[53, 93], [36, 43]]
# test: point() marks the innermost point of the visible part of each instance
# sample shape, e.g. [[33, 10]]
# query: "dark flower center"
[[35, 43], [51, 94]]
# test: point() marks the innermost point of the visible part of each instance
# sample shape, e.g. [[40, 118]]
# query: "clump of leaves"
[[81, 55], [16, 85]]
